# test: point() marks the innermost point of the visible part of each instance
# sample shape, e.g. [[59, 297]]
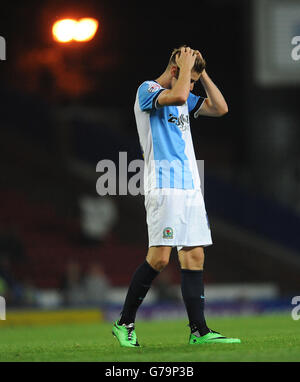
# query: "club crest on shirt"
[[153, 87], [168, 233]]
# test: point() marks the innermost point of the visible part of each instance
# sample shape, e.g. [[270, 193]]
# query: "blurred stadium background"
[[67, 253]]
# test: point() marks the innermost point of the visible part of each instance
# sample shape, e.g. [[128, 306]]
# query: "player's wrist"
[[185, 70], [204, 76]]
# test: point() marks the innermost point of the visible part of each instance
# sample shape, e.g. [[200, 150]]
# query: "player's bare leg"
[[158, 257], [191, 258]]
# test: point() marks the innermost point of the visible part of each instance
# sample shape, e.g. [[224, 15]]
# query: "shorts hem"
[[181, 245]]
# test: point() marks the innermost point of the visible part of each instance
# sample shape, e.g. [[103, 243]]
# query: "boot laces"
[[130, 329]]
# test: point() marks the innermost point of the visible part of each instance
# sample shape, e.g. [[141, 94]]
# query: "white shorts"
[[177, 218]]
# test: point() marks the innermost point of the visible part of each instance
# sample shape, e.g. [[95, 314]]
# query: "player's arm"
[[178, 95], [214, 105]]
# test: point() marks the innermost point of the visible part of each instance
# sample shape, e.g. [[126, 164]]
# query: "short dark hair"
[[199, 65]]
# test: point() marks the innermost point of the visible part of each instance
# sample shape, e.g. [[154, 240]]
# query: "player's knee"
[[197, 257], [158, 257], [160, 263], [192, 259]]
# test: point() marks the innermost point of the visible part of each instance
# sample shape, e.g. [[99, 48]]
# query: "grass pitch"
[[272, 338]]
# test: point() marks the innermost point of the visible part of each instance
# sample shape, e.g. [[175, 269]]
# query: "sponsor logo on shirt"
[[183, 121]]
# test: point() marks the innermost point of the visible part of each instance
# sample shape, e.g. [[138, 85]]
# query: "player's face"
[[194, 78]]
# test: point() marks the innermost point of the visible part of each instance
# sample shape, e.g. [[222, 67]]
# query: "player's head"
[[198, 67]]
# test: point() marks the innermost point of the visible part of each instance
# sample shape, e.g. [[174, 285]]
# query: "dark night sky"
[[140, 34], [134, 42]]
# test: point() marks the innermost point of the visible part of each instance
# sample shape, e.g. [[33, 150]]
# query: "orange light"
[[67, 30], [63, 30], [86, 29]]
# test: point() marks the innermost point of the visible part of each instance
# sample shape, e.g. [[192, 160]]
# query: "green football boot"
[[212, 337], [125, 334]]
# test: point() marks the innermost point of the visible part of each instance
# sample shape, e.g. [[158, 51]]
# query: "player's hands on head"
[[186, 58], [197, 53]]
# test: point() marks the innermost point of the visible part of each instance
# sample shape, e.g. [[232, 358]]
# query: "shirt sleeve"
[[148, 93], [194, 104]]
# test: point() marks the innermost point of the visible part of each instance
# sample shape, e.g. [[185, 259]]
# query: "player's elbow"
[[221, 110], [172, 99], [180, 100], [180, 97]]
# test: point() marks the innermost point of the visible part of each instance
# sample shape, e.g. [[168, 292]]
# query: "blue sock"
[[192, 289]]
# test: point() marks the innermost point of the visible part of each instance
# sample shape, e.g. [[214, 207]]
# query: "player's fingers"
[[198, 53], [190, 52]]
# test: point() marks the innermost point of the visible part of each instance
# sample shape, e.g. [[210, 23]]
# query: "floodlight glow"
[[63, 30], [68, 29], [85, 29]]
